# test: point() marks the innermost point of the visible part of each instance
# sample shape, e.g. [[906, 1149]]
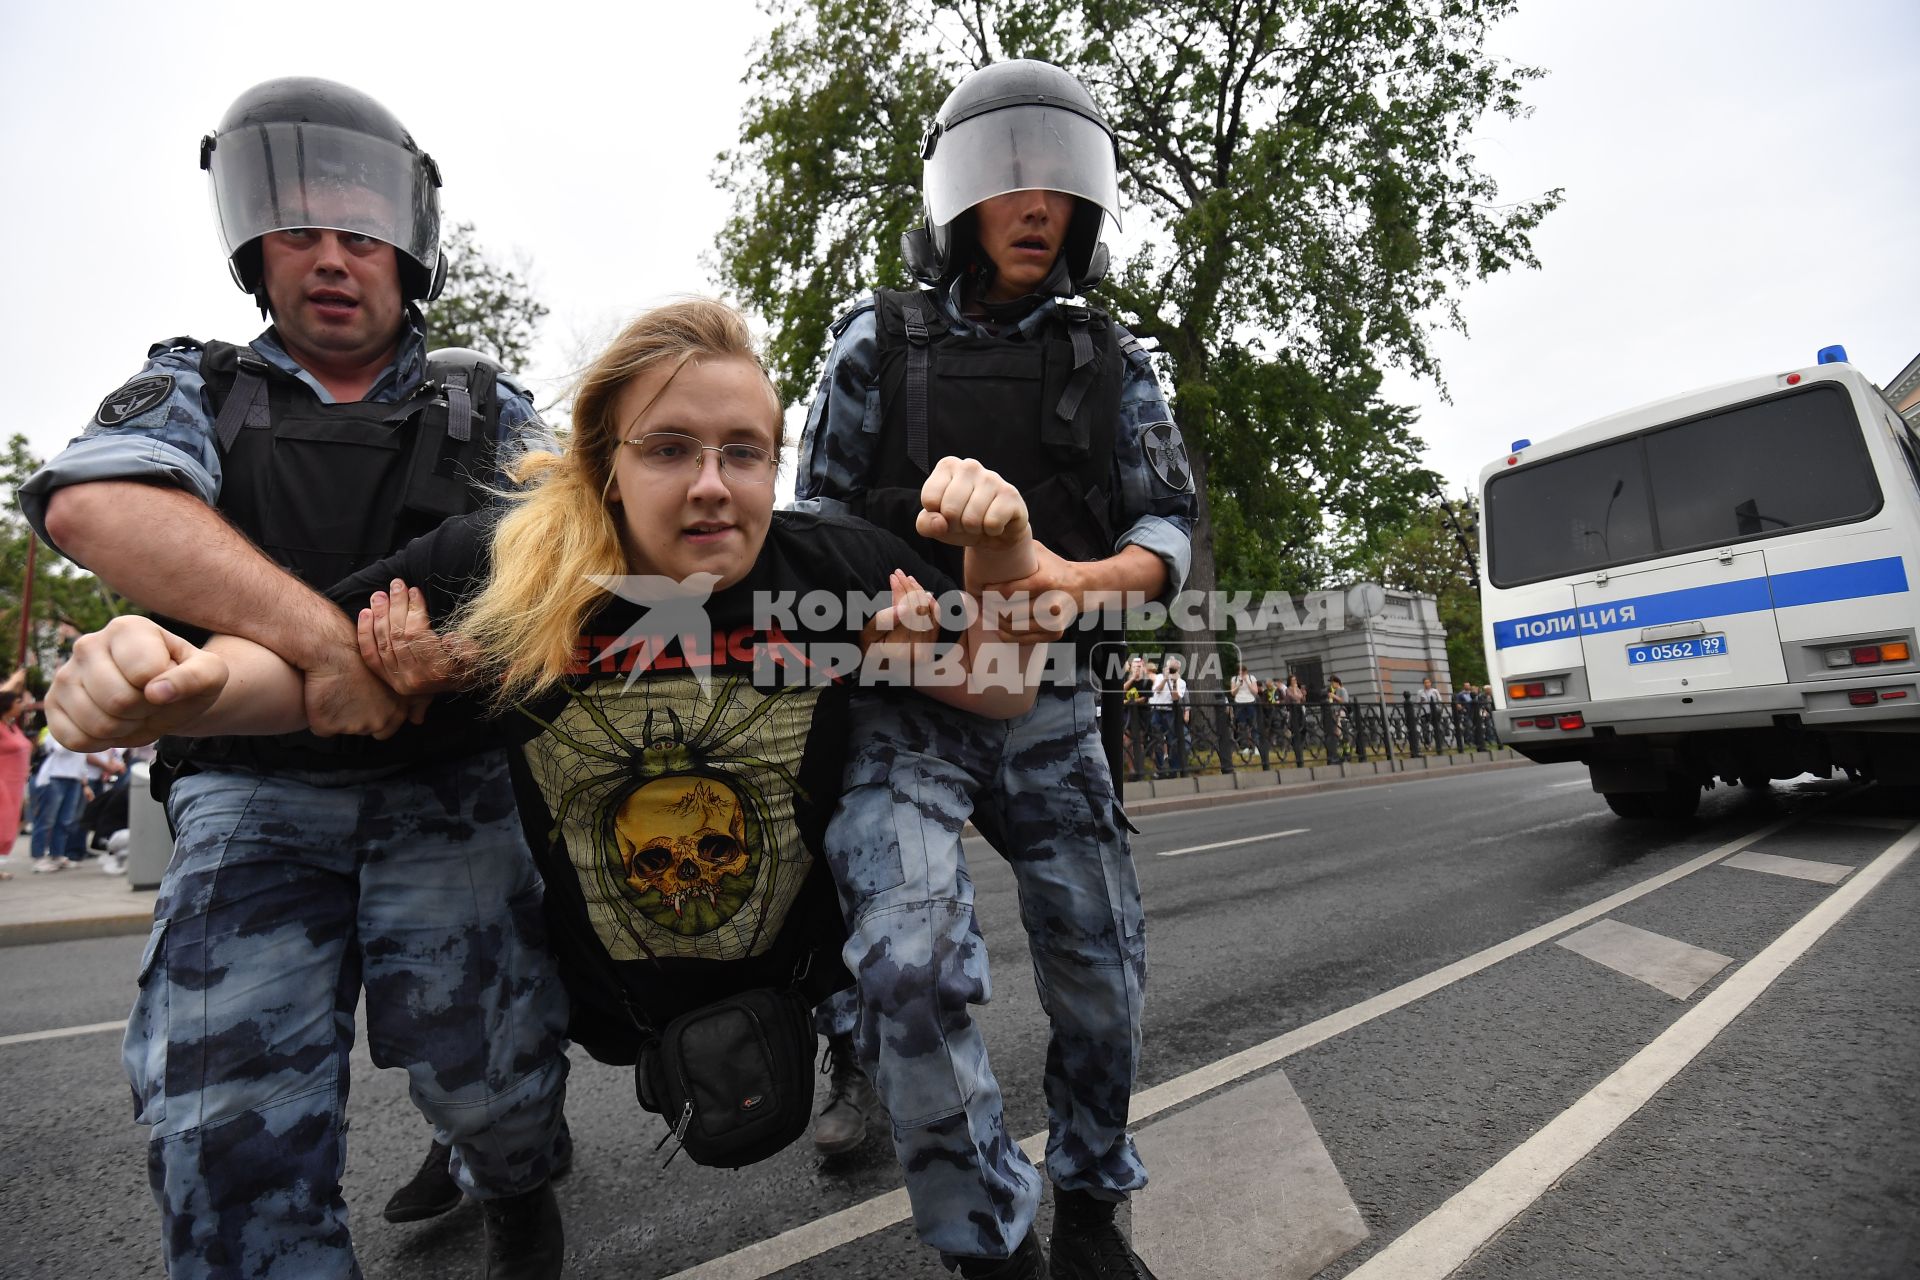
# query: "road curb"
[[28, 932], [1171, 804]]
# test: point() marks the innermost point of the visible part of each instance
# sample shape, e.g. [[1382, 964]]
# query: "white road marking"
[[1799, 868], [1577, 782], [1666, 964], [811, 1239], [1233, 1159], [1447, 1237], [28, 1037], [1227, 844]]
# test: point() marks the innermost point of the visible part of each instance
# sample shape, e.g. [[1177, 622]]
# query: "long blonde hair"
[[526, 622]]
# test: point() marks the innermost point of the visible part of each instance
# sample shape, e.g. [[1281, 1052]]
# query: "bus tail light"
[[1573, 720], [1863, 697], [1864, 655], [1537, 689]]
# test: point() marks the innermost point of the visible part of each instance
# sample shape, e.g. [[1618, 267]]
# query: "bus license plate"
[[1673, 650]]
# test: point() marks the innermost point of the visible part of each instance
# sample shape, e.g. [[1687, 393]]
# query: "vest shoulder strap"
[[909, 315], [237, 383]]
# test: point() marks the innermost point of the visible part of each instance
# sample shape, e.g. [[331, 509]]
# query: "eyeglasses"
[[671, 453]]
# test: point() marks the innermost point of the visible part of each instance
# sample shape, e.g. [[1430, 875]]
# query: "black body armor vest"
[[1040, 408], [327, 489]]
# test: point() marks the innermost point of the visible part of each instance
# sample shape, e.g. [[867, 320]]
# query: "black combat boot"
[[433, 1191], [524, 1237], [841, 1125], [1087, 1245], [1027, 1263]]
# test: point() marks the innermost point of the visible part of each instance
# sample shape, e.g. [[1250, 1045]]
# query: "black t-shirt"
[[676, 790]]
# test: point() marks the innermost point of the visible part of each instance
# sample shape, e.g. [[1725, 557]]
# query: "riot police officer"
[[991, 360], [219, 487]]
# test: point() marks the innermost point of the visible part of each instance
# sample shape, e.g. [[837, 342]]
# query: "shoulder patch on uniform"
[[1166, 453], [134, 399]]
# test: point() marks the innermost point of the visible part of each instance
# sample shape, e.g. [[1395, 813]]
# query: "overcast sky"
[[1742, 179]]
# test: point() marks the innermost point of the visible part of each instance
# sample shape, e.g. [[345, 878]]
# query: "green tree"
[[1303, 195], [1426, 554], [486, 304], [62, 594]]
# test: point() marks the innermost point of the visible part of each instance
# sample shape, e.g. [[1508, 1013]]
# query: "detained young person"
[[629, 620]]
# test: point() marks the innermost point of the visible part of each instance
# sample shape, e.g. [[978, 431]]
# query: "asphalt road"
[[1786, 1145]]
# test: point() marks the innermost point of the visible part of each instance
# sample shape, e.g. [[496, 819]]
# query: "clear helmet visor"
[[273, 177], [1025, 148]]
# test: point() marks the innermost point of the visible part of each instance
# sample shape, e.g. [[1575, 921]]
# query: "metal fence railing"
[[1217, 735]]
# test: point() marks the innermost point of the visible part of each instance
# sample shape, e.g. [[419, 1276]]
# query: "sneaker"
[[43, 865], [431, 1192], [1087, 1244], [113, 866], [525, 1240], [1026, 1263], [842, 1124]]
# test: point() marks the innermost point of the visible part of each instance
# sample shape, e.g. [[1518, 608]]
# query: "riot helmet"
[[304, 152], [1016, 126]]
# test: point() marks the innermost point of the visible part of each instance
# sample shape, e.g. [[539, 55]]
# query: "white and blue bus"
[[1717, 586]]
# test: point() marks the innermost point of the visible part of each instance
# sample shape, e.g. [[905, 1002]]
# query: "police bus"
[[1719, 586]]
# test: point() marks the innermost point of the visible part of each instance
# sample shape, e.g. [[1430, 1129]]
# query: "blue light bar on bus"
[[1835, 354], [1518, 445]]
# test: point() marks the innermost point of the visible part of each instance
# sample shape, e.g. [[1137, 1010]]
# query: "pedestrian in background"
[[16, 755], [1246, 708], [1169, 704], [60, 786], [1427, 710]]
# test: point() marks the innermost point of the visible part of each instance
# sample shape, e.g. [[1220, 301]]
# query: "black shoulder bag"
[[733, 1078]]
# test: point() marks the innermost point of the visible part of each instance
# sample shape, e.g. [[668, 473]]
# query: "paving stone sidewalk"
[[79, 902]]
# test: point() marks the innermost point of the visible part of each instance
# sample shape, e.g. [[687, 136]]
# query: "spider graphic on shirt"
[[676, 806]]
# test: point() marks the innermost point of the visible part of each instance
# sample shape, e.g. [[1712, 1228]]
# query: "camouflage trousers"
[[287, 895], [1040, 788]]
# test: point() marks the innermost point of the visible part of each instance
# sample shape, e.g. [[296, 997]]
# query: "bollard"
[[149, 841]]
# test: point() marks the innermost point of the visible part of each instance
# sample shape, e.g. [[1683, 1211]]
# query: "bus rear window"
[[1583, 511], [1755, 471]]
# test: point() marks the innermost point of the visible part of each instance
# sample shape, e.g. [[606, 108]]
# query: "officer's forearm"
[[167, 551], [1134, 570]]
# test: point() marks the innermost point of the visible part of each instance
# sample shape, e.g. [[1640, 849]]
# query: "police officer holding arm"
[[992, 361], [221, 487]]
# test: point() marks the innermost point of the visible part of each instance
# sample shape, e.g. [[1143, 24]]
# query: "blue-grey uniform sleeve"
[[1153, 502], [166, 438], [522, 430], [842, 436]]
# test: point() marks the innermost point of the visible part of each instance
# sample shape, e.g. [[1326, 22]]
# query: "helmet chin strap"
[[980, 276]]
